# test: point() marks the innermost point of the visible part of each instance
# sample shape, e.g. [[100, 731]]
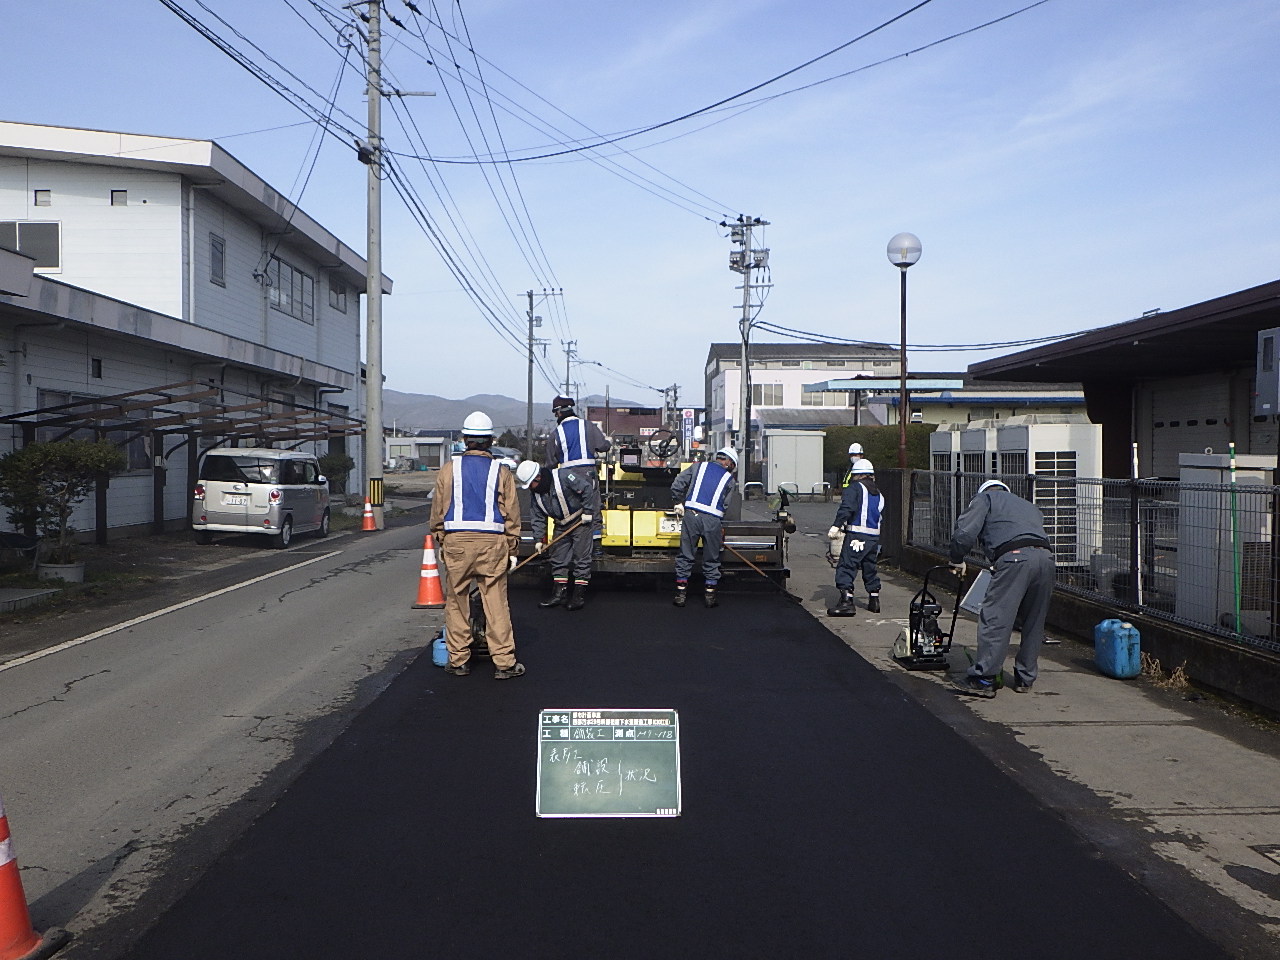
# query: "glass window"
[[42, 198], [766, 394], [217, 260], [292, 291], [36, 239], [119, 198], [337, 294]]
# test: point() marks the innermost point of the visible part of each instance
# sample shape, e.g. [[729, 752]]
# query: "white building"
[[164, 274], [778, 375]]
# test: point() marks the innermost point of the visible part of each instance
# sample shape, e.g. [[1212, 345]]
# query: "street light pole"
[[903, 251]]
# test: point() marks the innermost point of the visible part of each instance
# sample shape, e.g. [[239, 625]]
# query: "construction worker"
[[857, 527], [574, 443], [1011, 532], [475, 515], [700, 494], [567, 496], [855, 453]]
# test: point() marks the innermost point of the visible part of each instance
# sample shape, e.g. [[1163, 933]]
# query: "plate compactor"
[[924, 644]]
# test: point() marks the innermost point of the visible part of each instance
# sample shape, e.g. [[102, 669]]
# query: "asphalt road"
[[825, 814]]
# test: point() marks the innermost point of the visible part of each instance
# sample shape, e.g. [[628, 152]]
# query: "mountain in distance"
[[409, 413]]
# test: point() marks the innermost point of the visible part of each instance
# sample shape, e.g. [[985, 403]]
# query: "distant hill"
[[411, 412]]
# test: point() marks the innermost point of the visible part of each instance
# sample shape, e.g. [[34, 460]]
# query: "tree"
[[510, 438], [42, 483], [336, 467]]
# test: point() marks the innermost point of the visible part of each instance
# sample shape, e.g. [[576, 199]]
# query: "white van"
[[260, 490]]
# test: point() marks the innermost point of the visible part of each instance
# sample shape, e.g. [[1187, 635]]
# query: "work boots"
[[558, 595], [844, 607], [873, 603], [577, 597], [682, 595], [709, 597]]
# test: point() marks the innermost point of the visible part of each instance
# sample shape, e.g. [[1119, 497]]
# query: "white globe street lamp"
[[903, 251]]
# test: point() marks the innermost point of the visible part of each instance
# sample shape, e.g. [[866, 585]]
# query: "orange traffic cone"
[[368, 523], [18, 941], [430, 594]]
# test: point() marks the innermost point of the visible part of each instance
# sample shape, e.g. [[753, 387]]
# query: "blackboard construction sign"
[[608, 763]]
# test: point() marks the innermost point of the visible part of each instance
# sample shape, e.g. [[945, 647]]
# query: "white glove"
[[586, 519], [539, 546], [679, 509], [835, 533], [959, 569], [511, 563]]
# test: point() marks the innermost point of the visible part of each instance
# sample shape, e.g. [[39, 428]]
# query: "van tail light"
[[199, 491], [275, 496]]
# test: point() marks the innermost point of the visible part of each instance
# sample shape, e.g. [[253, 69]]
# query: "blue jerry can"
[[1117, 648], [439, 652]]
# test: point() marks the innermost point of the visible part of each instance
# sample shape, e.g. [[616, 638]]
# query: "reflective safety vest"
[[866, 521], [709, 490], [547, 502], [571, 442], [475, 496]]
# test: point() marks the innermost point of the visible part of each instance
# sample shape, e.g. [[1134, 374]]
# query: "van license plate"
[[668, 525], [233, 500]]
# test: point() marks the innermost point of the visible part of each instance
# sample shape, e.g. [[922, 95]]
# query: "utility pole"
[[373, 443], [528, 423], [569, 353], [743, 261]]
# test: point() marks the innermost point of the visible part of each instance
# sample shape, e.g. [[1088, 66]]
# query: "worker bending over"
[[700, 494], [575, 443], [567, 496]]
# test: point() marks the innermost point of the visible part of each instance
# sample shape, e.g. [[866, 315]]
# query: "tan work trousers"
[[479, 558]]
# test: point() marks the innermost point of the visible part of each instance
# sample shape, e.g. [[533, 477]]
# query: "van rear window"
[[240, 469]]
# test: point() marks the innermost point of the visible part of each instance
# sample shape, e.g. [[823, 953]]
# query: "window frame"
[[217, 259], [291, 290]]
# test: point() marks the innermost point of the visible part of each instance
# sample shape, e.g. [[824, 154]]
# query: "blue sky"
[[1071, 167]]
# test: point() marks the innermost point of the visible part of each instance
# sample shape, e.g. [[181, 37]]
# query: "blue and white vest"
[[571, 441], [560, 499], [709, 490], [475, 496], [866, 522]]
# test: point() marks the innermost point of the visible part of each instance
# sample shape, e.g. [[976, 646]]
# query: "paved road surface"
[[826, 814]]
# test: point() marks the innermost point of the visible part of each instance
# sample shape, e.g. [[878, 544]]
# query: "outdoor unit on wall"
[[1063, 446], [1224, 550], [944, 460], [1266, 396], [944, 447], [978, 446]]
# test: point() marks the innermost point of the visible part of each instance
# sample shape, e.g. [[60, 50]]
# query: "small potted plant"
[[42, 483]]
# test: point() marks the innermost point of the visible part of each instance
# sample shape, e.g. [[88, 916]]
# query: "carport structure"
[[179, 420]]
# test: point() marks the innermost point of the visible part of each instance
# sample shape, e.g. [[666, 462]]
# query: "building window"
[[40, 241], [766, 394], [337, 294], [827, 398], [217, 260], [835, 363], [291, 291], [95, 368], [791, 363], [42, 198], [119, 198]]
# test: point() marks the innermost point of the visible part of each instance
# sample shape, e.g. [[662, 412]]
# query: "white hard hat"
[[862, 466], [993, 483], [527, 472], [855, 449], [729, 454], [477, 425]]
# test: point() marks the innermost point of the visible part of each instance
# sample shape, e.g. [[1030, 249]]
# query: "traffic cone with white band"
[[430, 593], [369, 523], [18, 941]]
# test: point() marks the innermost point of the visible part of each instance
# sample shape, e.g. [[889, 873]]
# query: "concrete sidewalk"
[[1179, 788]]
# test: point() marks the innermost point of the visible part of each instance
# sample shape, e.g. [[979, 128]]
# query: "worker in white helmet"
[[857, 525], [567, 496], [574, 443], [475, 514], [855, 454], [700, 494], [1010, 531]]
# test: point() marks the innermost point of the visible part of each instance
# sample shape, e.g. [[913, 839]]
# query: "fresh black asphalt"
[[825, 814]]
